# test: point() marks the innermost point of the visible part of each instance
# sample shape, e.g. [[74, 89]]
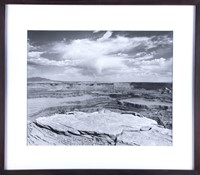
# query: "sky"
[[108, 56]]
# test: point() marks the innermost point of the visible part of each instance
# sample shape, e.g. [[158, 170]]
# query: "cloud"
[[159, 41], [87, 48], [111, 57], [96, 31], [31, 47], [107, 35], [160, 66], [96, 57], [47, 62], [101, 65], [34, 54], [122, 54]]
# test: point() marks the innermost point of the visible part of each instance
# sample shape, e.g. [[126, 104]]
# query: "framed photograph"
[[99, 87]]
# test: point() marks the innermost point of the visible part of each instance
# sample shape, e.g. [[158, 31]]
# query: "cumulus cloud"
[[110, 57], [96, 31], [158, 41], [31, 47], [87, 48], [34, 54], [105, 36], [99, 55], [47, 62]]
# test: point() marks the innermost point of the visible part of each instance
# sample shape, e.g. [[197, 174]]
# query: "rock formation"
[[97, 128]]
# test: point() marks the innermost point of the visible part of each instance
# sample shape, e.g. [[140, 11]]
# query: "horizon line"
[[103, 81]]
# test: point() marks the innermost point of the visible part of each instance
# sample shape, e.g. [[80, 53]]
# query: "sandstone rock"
[[101, 122], [145, 104], [97, 128], [154, 137]]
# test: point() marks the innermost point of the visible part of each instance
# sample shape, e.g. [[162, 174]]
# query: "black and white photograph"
[[92, 88]]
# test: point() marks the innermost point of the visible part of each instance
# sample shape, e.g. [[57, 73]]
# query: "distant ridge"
[[38, 79]]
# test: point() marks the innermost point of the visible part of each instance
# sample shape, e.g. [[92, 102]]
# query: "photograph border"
[[196, 129]]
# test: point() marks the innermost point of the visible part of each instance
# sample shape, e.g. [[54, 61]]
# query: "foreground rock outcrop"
[[97, 128]]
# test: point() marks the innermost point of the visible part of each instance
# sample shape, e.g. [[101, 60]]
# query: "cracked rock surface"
[[97, 128]]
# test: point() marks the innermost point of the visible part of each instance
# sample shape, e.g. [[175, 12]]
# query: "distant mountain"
[[38, 79]]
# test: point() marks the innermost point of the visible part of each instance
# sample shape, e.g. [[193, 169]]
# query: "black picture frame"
[[195, 171]]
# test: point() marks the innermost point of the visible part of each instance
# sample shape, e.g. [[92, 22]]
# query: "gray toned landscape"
[[100, 88]]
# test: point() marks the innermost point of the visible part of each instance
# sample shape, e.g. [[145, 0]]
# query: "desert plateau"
[[99, 113]]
